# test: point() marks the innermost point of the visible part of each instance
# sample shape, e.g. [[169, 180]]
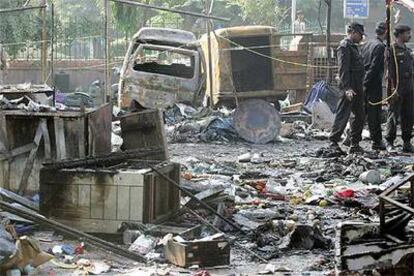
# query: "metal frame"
[[386, 197], [43, 56]]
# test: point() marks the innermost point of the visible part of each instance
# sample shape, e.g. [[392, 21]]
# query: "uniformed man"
[[373, 55], [401, 76], [351, 77]]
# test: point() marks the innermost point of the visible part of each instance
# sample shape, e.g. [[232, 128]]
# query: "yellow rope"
[[397, 71], [273, 58]]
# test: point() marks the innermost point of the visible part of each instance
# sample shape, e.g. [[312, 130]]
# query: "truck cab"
[[162, 66]]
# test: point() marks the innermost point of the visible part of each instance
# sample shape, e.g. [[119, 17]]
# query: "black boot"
[[355, 148], [408, 147], [378, 146]]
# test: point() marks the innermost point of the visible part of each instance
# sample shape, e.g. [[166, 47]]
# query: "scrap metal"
[[189, 194], [391, 219], [88, 239], [105, 159]]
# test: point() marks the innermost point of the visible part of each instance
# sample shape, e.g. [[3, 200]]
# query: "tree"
[[17, 27], [264, 12]]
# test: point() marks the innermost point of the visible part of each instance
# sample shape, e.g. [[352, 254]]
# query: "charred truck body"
[[256, 62]]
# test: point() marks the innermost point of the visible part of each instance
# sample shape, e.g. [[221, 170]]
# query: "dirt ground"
[[272, 162]]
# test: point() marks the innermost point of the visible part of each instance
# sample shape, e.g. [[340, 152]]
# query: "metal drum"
[[257, 121]]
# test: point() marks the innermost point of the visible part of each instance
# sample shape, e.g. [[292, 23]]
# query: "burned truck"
[[162, 66], [256, 62]]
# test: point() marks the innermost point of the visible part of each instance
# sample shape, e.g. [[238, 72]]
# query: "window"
[[165, 62]]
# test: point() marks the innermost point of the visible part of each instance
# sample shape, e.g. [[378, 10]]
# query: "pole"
[[43, 42], [293, 16], [127, 2], [52, 49], [22, 9], [388, 23], [328, 39], [210, 60], [107, 93]]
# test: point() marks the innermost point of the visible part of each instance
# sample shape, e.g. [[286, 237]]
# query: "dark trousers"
[[401, 111], [374, 95], [343, 113]]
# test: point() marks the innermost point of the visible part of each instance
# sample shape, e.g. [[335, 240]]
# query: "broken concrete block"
[[371, 176], [322, 116], [244, 157], [143, 245], [129, 236], [13, 272], [305, 237], [287, 130]]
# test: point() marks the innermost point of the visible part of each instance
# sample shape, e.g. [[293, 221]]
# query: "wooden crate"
[[144, 129], [99, 200], [27, 139], [202, 253]]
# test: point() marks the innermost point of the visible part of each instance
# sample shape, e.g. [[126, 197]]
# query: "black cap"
[[399, 29], [356, 27], [381, 28]]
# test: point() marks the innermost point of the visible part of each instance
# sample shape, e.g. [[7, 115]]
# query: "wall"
[[81, 72]]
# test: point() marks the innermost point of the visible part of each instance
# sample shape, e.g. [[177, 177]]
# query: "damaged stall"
[[96, 195], [387, 246], [33, 133]]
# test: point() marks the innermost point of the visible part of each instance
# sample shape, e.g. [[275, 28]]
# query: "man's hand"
[[349, 94]]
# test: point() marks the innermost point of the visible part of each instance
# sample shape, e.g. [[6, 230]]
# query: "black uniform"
[[373, 55], [401, 107], [351, 74]]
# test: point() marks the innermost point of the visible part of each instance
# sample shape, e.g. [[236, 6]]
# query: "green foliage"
[[264, 12], [17, 26]]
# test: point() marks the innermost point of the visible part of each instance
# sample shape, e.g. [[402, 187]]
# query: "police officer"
[[401, 76], [373, 55], [351, 77]]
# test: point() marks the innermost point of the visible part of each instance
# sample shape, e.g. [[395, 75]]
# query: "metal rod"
[[23, 9], [52, 56], [89, 239], [127, 2], [43, 43], [106, 159], [210, 59], [328, 39], [293, 16], [107, 93], [387, 61], [187, 193]]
